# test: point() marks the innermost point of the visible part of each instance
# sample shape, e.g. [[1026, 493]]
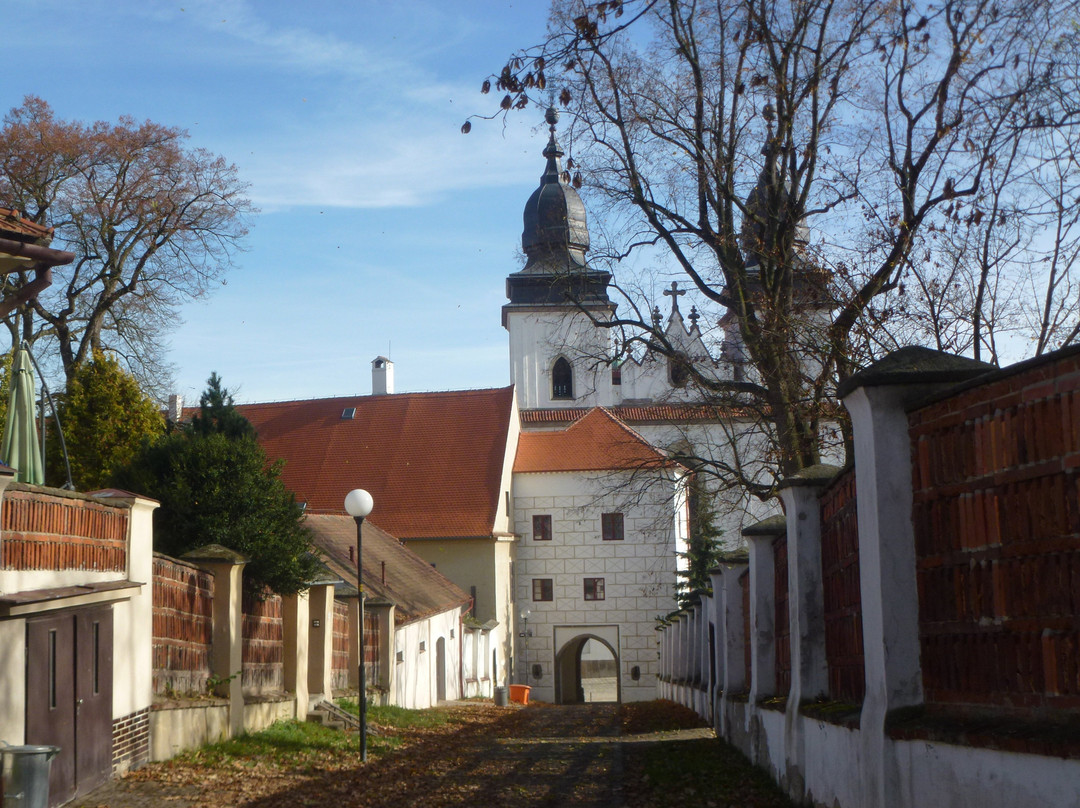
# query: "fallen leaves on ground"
[[475, 754]]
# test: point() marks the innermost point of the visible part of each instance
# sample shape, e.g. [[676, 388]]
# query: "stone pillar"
[[381, 688], [226, 653], [760, 538], [730, 648], [806, 605], [877, 399], [320, 640], [806, 610], [296, 614]]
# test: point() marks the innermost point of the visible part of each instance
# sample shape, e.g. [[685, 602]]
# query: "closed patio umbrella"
[[20, 448]]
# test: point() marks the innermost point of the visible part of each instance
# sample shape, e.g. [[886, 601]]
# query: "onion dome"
[[555, 239], [757, 208], [556, 235]]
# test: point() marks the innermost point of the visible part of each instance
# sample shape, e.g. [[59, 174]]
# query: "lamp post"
[[358, 504], [525, 615]]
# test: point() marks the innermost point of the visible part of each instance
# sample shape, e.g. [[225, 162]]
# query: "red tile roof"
[[392, 571], [14, 225], [638, 414], [433, 462], [597, 442]]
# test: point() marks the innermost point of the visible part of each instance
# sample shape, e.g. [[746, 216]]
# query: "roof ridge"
[[626, 428], [354, 397]]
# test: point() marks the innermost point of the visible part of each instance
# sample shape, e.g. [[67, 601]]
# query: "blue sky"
[[382, 230]]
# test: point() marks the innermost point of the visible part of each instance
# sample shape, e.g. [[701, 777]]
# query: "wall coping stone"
[[773, 526], [819, 474], [915, 365]]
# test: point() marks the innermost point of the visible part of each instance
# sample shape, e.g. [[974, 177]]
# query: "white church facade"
[[577, 506]]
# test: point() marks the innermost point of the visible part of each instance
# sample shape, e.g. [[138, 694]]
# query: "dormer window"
[[562, 379]]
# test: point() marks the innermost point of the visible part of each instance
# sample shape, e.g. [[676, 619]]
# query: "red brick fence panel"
[[372, 644], [263, 649], [842, 589], [47, 532], [782, 626], [340, 659], [183, 627], [996, 482]]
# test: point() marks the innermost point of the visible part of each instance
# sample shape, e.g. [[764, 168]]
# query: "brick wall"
[[372, 644], [45, 532], [183, 626], [841, 589], [263, 644], [340, 659], [996, 479], [131, 741]]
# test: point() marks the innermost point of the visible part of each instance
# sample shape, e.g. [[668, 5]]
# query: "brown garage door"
[[69, 696]]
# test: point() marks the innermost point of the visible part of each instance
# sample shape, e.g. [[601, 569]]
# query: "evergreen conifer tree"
[[216, 487], [106, 418], [703, 549]]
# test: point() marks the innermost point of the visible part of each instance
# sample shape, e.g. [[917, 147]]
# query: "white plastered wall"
[[638, 572], [539, 337]]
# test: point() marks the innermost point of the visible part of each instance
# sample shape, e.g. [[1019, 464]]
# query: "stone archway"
[[586, 670]]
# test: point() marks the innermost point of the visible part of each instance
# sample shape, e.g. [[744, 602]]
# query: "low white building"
[[418, 660], [600, 515]]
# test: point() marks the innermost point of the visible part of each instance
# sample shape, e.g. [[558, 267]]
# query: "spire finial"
[[694, 317]]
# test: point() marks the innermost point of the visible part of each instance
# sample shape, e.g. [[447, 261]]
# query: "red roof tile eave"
[[598, 442], [650, 414]]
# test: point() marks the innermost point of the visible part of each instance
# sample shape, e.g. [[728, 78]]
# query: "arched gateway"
[[586, 664]]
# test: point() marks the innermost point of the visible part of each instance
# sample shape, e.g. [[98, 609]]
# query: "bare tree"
[[801, 163], [152, 224]]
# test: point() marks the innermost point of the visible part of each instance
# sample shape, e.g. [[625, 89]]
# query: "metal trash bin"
[[502, 696], [26, 775]]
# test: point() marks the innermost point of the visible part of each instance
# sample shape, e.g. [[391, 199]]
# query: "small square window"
[[543, 589], [542, 527], [611, 526], [594, 589]]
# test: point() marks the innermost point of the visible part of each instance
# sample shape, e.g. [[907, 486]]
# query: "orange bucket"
[[520, 693]]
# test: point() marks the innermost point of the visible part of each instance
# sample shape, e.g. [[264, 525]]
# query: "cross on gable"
[[674, 292]]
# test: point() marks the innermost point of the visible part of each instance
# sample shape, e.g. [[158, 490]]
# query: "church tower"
[[558, 357]]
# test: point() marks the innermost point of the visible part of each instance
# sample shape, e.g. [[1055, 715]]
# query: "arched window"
[[679, 369], [562, 379]]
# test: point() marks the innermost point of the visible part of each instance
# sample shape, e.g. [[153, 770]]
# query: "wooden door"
[[69, 697]]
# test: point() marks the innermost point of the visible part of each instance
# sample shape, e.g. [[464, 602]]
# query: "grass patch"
[[399, 717], [293, 743]]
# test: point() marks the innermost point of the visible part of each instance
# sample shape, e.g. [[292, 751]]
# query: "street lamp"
[[358, 504], [525, 615]]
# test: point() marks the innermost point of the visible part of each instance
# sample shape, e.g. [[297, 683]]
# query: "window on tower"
[[562, 379]]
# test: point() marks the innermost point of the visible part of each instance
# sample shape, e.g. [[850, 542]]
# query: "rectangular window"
[[542, 527], [594, 589], [542, 589], [611, 526]]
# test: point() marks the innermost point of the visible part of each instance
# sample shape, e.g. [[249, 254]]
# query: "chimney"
[[176, 408], [382, 376]]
